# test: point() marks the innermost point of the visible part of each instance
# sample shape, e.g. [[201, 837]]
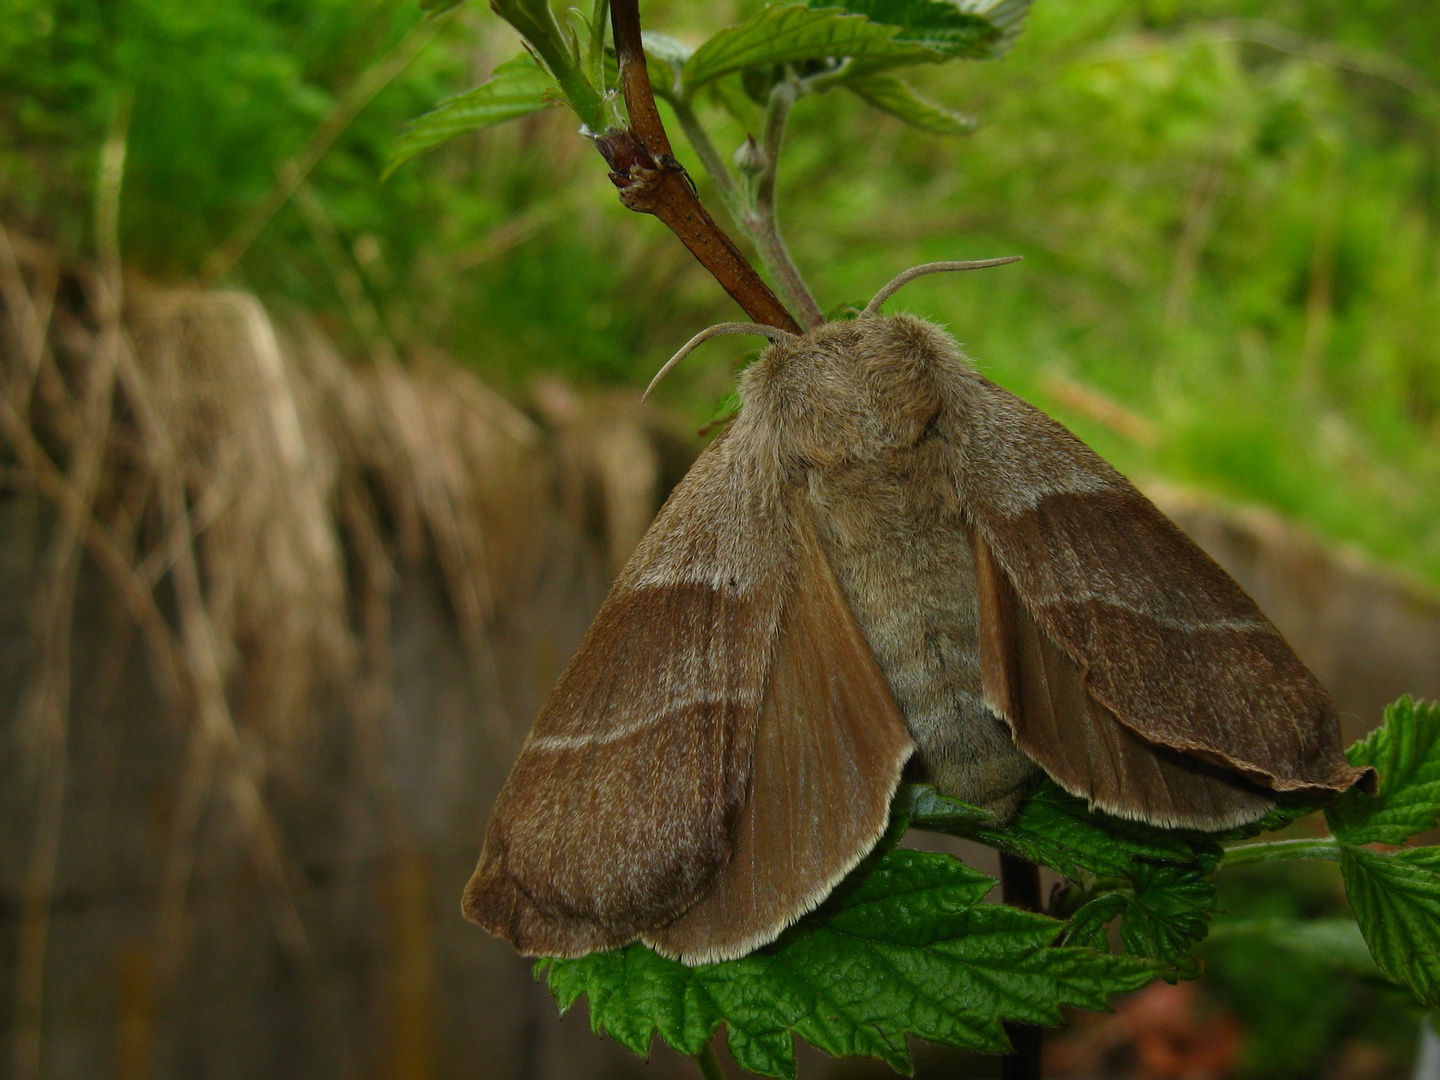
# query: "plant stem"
[[1020, 887], [709, 1063], [537, 25], [1281, 850], [645, 123], [651, 181], [760, 223], [710, 158]]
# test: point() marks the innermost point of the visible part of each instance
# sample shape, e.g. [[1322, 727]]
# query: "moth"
[[884, 555]]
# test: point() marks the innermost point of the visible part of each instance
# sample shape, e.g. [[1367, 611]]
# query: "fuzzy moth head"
[[849, 391]]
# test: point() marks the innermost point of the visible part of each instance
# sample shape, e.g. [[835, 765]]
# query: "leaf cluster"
[[1395, 894], [1292, 958], [1156, 882], [860, 47]]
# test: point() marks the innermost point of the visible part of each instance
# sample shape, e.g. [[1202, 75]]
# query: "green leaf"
[[928, 809], [793, 33], [958, 29], [1008, 16], [1405, 752], [1396, 900], [435, 8], [665, 62], [633, 994], [890, 95], [904, 947], [936, 24], [1060, 831], [516, 88], [1427, 858], [558, 50], [1088, 924], [1167, 914], [1164, 913]]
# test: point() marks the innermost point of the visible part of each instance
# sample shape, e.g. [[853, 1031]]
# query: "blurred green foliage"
[[1299, 1007], [1230, 227]]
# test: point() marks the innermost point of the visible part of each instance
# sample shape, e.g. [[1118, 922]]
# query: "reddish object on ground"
[[1162, 1033]]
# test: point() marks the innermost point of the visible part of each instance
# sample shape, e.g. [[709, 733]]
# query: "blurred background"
[[310, 482]]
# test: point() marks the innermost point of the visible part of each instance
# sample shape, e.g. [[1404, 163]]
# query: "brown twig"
[[1020, 887], [651, 181]]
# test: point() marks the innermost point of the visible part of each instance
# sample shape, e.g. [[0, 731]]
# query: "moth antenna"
[[928, 268], [774, 333]]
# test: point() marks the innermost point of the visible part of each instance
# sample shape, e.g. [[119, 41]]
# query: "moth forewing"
[[618, 814], [1160, 636], [830, 746], [1039, 691]]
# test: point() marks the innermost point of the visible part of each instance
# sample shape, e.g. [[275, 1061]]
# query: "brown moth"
[[885, 553]]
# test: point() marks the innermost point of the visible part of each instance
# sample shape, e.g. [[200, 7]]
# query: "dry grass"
[[246, 494]]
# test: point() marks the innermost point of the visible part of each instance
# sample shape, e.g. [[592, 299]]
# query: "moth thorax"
[[850, 390]]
